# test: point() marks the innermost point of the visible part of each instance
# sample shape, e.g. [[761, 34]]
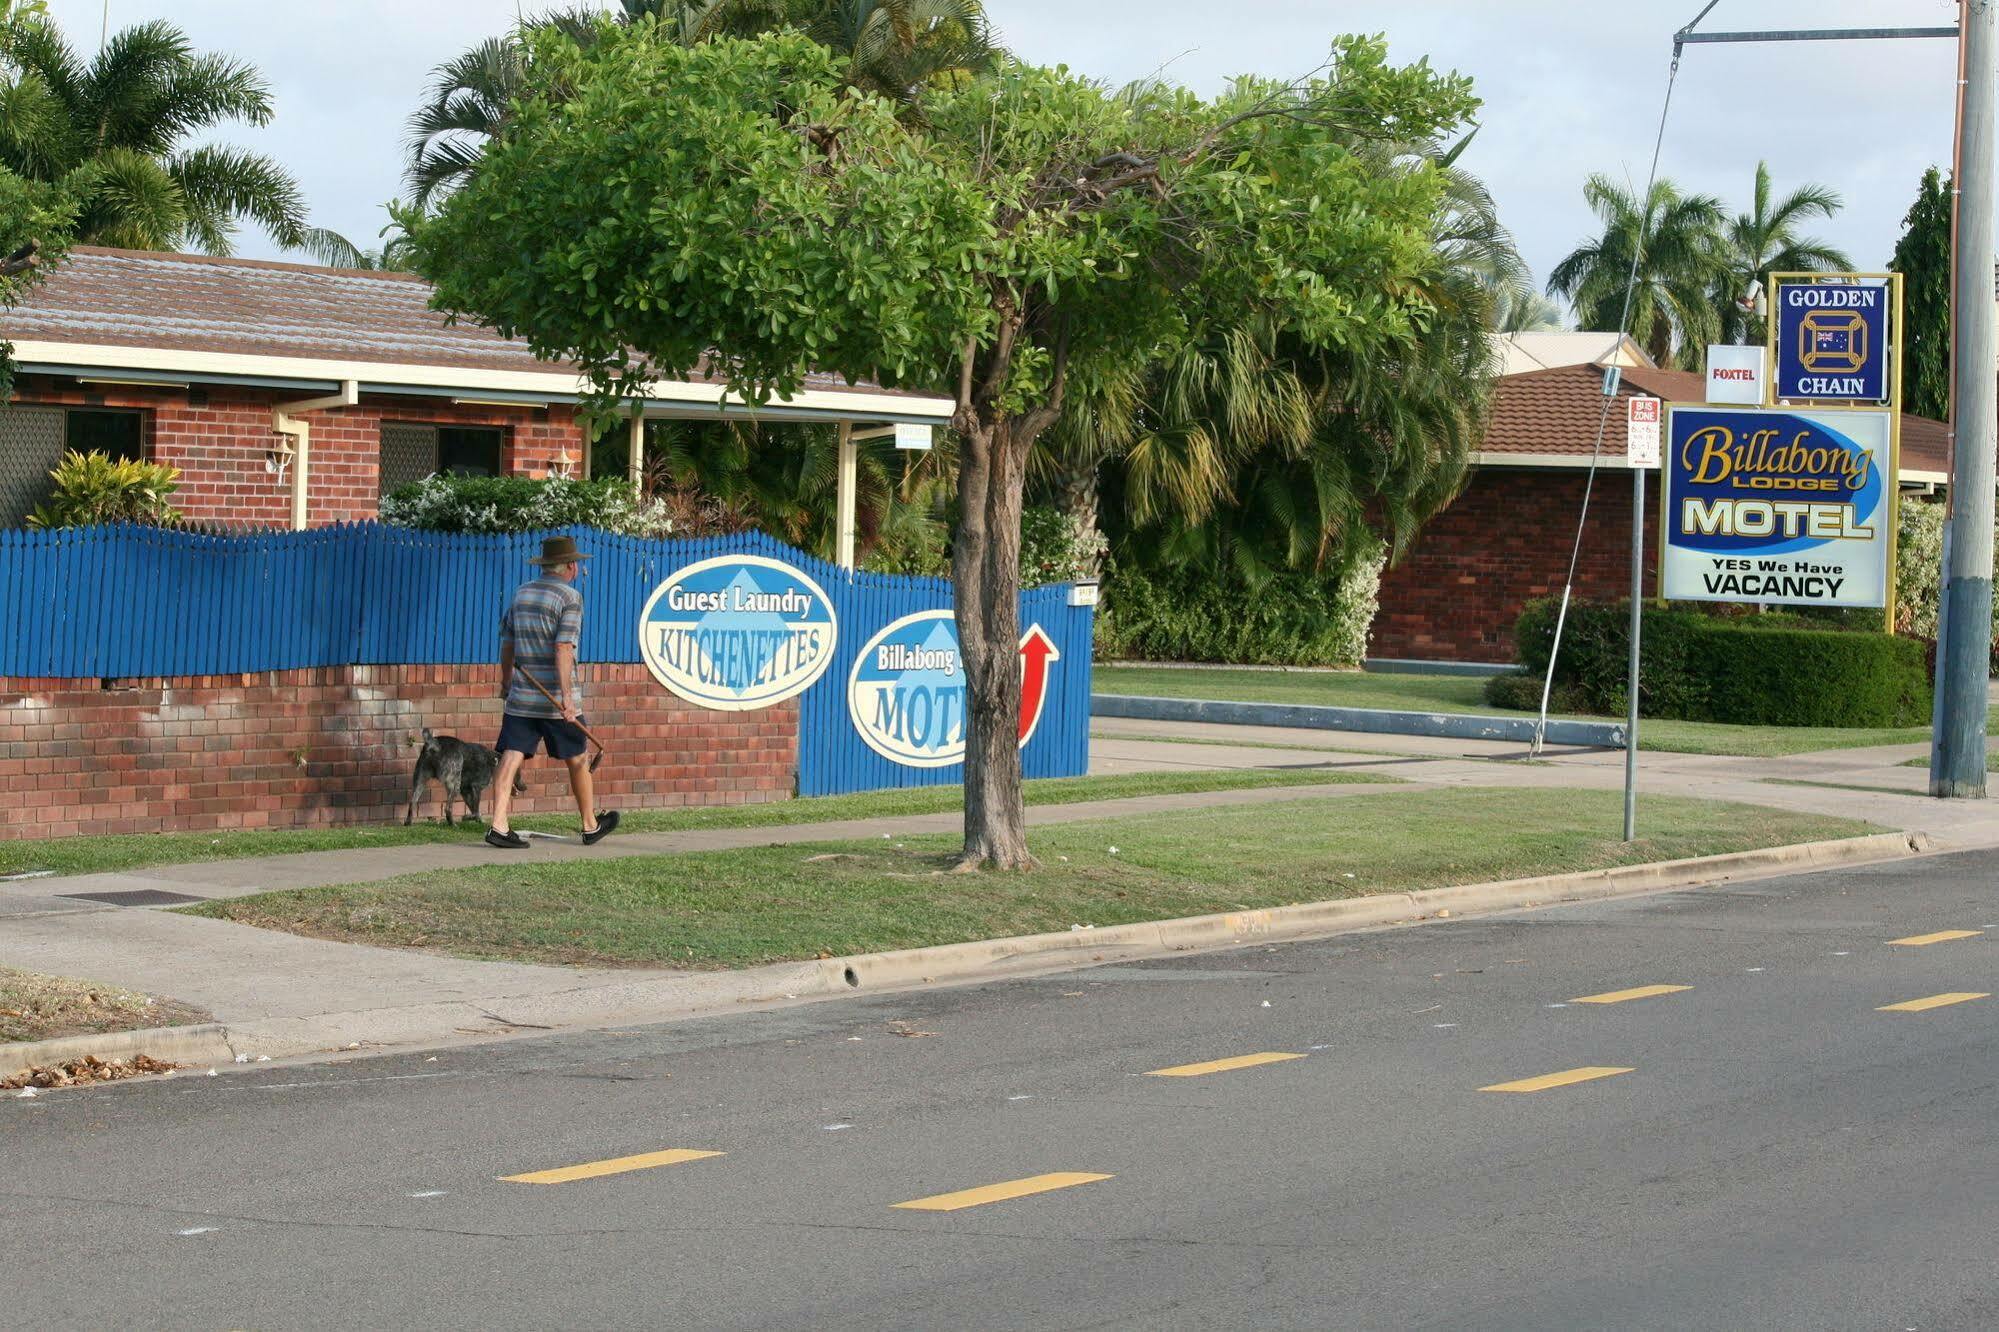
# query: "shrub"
[[1772, 669], [1299, 618], [1056, 548], [533, 504], [95, 488], [1812, 677], [1919, 575]]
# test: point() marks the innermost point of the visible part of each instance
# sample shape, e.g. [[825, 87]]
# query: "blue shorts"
[[524, 735]]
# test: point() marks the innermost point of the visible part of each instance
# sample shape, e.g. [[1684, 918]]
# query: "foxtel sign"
[[1777, 506]]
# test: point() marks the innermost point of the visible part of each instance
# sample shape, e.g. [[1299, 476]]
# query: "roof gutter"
[[298, 448], [858, 404]]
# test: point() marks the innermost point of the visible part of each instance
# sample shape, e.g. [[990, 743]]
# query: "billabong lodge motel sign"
[[1788, 497]]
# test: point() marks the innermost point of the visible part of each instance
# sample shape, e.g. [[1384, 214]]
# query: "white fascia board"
[[1544, 461], [556, 384]]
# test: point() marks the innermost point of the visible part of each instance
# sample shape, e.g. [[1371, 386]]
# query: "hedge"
[[1775, 669], [1200, 614]]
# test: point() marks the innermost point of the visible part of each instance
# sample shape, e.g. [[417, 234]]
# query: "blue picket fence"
[[139, 602]]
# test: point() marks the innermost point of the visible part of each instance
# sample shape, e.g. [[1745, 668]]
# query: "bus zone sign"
[[1787, 507]]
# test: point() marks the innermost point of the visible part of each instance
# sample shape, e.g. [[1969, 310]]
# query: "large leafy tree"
[[893, 48], [36, 223], [654, 207], [1682, 258], [1248, 452], [1769, 239], [1922, 257], [111, 132]]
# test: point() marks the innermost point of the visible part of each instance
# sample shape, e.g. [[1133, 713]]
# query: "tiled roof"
[[198, 303], [1555, 413]]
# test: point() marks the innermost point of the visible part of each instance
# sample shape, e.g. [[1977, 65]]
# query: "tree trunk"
[[986, 570]]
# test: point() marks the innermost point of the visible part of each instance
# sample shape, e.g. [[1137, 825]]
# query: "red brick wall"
[[1505, 541], [220, 437], [289, 749]]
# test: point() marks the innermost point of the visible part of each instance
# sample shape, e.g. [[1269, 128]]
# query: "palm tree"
[[777, 479], [1766, 240], [1682, 257], [1524, 312], [895, 48], [109, 133], [329, 247]]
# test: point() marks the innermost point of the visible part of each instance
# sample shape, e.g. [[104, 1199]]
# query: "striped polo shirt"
[[544, 612]]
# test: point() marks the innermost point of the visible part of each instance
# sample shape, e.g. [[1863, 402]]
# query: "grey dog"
[[461, 768]]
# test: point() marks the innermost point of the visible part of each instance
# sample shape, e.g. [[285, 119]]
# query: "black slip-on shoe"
[[506, 841], [607, 823]]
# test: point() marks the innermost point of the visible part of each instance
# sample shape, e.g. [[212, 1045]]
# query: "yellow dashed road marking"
[[1941, 936], [1619, 996], [1547, 1080], [992, 1193], [1221, 1065], [615, 1166], [1934, 1001]]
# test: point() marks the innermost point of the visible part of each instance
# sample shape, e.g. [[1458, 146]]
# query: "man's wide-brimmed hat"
[[558, 551]]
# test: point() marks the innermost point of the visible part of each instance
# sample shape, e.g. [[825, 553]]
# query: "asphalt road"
[[1781, 1153]]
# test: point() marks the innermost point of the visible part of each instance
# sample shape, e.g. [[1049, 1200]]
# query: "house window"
[[413, 450], [33, 440], [468, 451], [114, 434]]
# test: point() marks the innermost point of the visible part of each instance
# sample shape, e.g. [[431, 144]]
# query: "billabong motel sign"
[[1792, 501], [739, 632]]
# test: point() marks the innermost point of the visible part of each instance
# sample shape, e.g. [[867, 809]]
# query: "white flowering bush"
[[1287, 618], [1056, 547], [527, 504]]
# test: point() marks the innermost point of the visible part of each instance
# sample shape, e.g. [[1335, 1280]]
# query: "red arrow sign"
[[1036, 651]]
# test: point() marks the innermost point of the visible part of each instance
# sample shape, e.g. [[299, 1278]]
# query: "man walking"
[[538, 638]]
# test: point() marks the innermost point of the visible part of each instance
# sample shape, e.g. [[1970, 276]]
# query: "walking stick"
[[528, 675]]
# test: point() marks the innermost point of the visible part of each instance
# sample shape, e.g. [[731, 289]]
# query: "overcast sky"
[[1570, 87]]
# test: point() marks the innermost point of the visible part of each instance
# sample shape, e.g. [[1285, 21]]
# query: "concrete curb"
[[643, 999], [202, 1043], [1372, 721]]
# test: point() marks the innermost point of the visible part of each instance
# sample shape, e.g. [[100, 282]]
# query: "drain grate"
[[136, 897]]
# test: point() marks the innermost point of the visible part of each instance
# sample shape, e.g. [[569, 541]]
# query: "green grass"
[[1297, 746], [740, 908], [1341, 689], [93, 855], [1450, 693], [1835, 786], [1991, 761]]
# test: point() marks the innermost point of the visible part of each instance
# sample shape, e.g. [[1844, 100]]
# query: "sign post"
[[1641, 450]]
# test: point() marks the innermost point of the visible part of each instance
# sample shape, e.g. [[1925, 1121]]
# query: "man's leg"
[[503, 790], [585, 789]]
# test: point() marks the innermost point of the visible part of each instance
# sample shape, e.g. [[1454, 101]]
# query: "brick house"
[[1506, 539], [295, 395]]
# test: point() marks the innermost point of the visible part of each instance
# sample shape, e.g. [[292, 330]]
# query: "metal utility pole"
[[1957, 756]]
